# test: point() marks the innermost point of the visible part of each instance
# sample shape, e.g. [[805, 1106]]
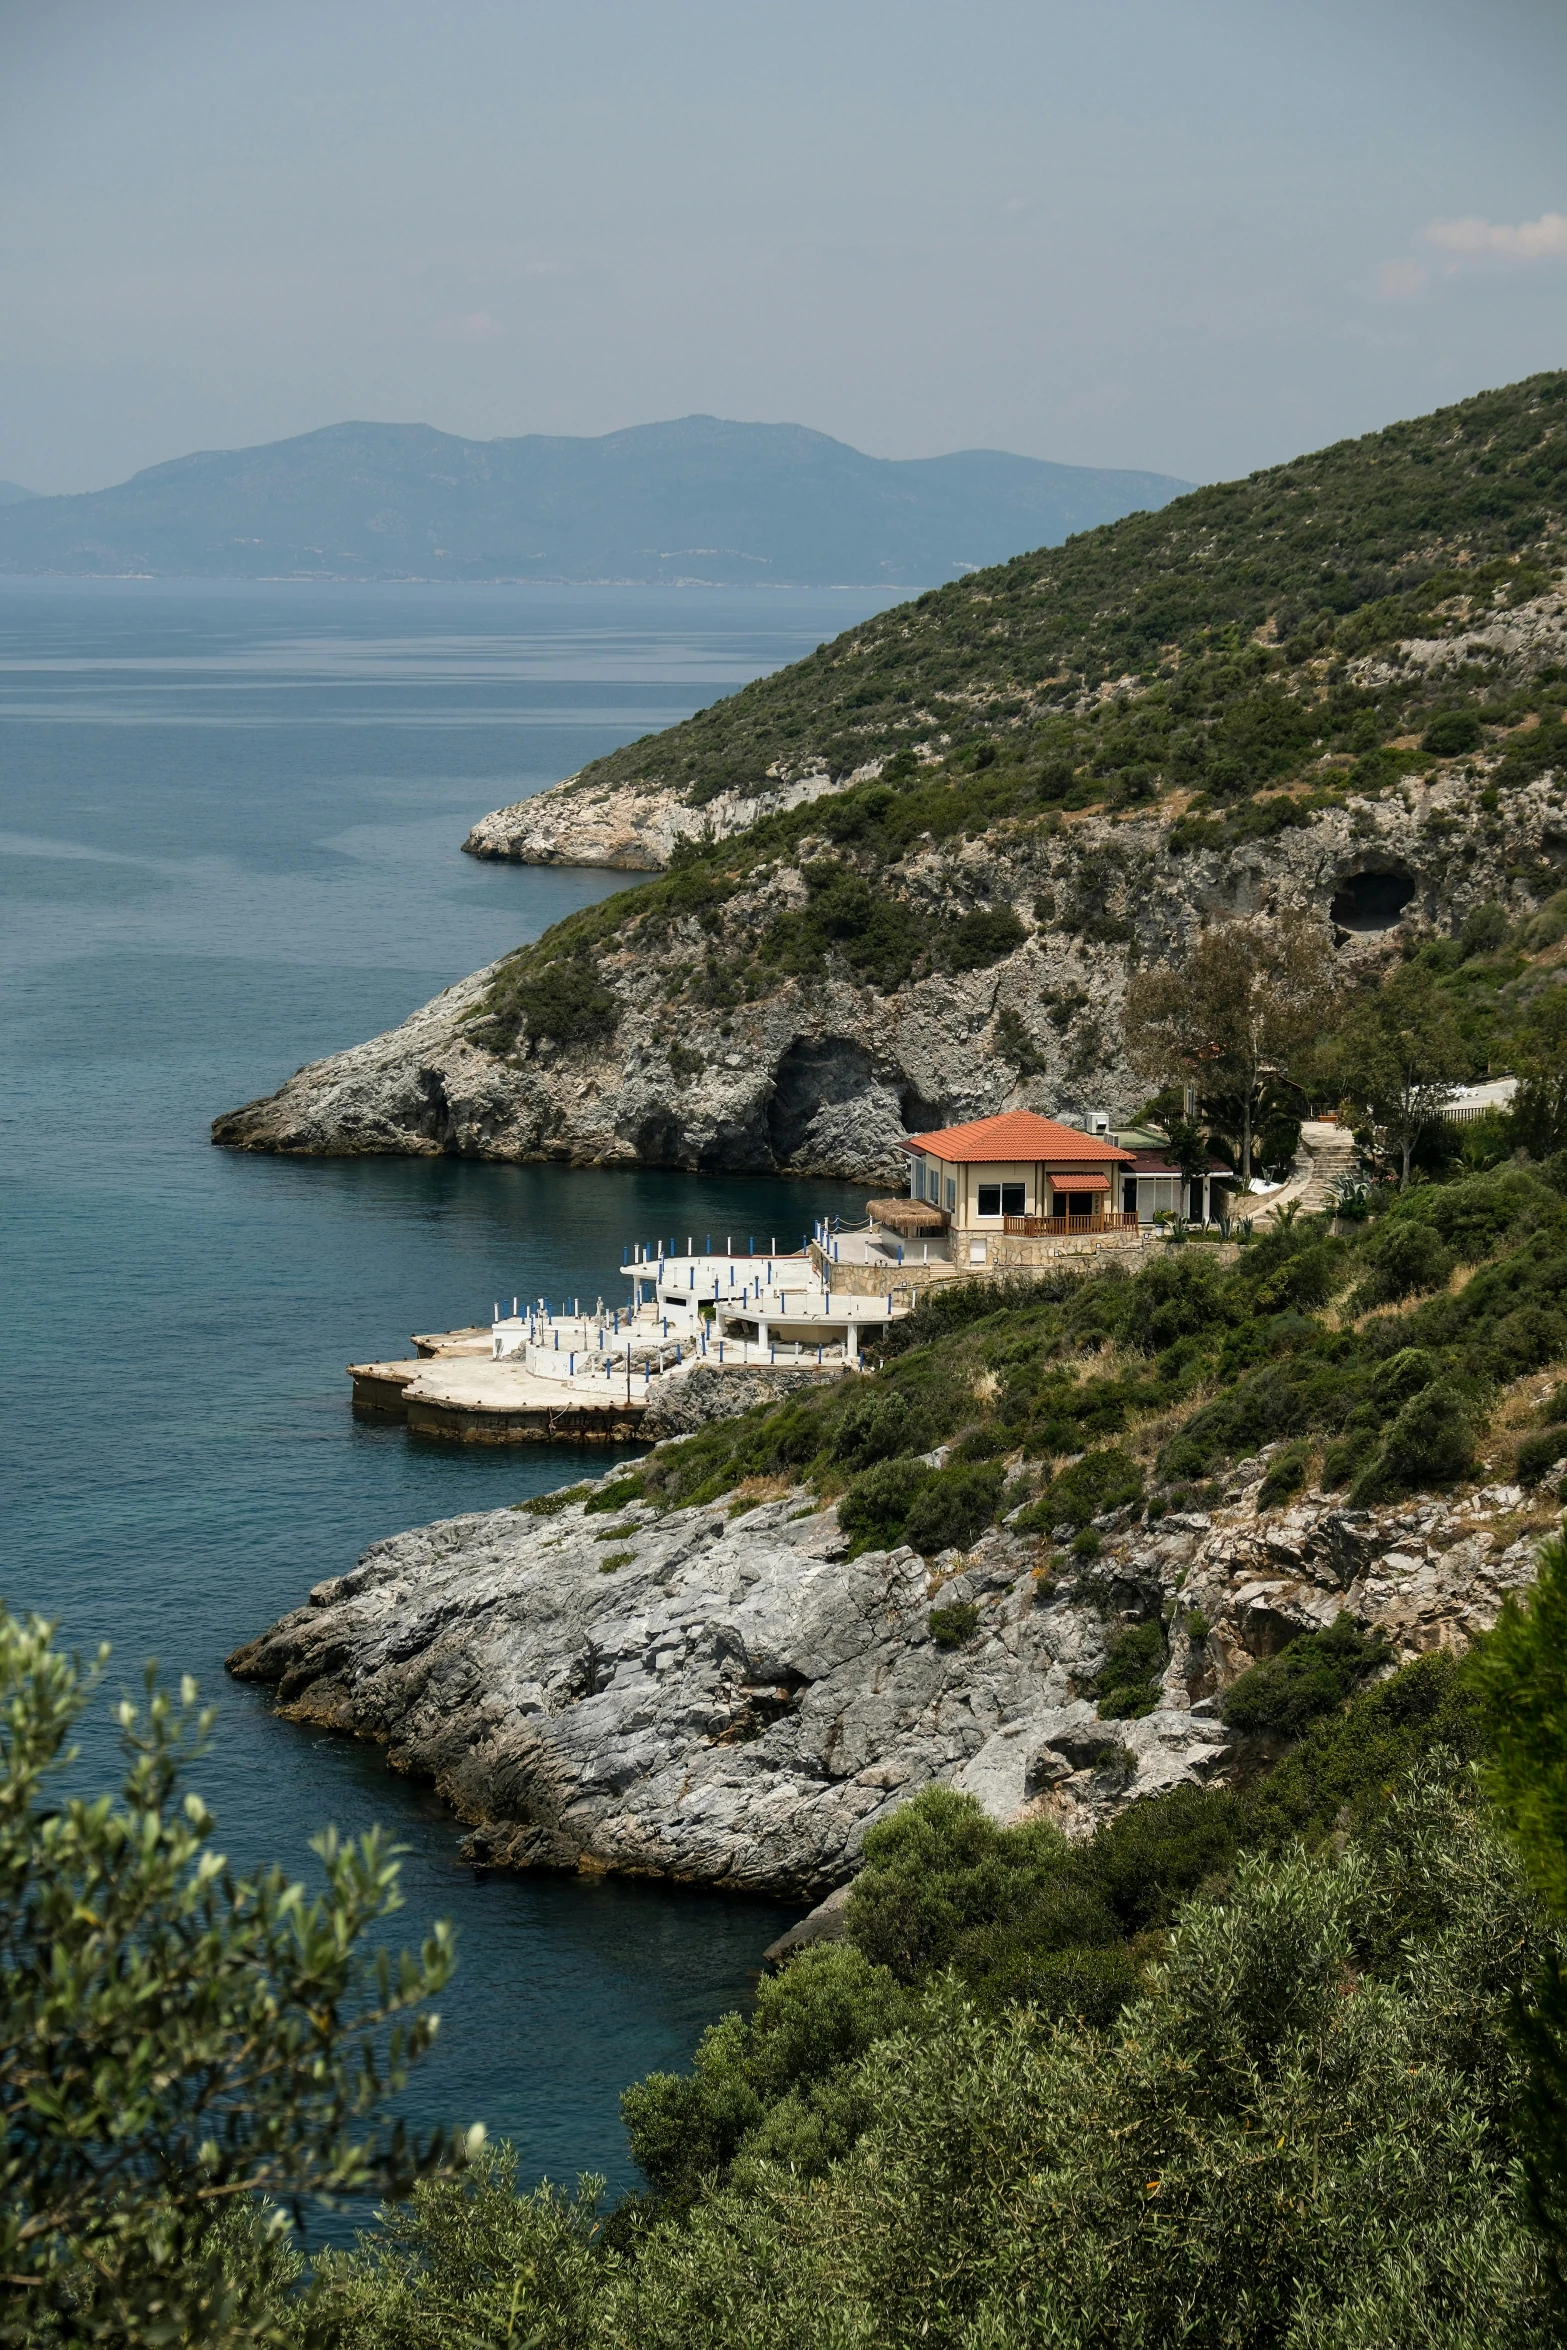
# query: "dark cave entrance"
[[1372, 901]]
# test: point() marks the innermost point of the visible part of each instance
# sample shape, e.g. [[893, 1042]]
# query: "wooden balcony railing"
[[1047, 1227]]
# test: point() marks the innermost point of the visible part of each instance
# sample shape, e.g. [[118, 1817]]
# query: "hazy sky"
[[1197, 235]]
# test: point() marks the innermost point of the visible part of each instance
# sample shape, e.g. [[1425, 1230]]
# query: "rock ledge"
[[726, 1699]]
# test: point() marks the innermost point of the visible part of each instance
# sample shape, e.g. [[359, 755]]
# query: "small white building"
[[1468, 1102]]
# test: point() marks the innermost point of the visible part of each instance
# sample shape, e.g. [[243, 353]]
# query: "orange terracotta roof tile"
[[1018, 1135]]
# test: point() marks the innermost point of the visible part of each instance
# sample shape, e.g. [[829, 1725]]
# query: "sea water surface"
[[229, 828]]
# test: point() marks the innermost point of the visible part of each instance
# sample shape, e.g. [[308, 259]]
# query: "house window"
[[990, 1199], [1129, 1195], [952, 1193], [919, 1179], [1012, 1197]]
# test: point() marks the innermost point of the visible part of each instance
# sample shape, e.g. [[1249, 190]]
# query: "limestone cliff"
[[908, 875], [757, 1068], [632, 827], [730, 1700]]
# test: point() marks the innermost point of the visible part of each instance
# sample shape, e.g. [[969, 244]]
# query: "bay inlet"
[[228, 844]]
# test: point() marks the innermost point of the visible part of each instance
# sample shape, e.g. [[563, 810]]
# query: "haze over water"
[[229, 827]]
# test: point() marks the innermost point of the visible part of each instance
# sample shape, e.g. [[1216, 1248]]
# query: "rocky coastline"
[[718, 1695], [826, 1075], [630, 827]]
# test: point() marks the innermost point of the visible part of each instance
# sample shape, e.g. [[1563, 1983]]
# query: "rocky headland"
[[720, 1695], [826, 1074], [905, 881]]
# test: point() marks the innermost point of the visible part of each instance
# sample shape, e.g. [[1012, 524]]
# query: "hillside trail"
[[1325, 1156]]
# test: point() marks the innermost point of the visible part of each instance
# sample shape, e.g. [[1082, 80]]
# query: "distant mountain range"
[[698, 500], [12, 493]]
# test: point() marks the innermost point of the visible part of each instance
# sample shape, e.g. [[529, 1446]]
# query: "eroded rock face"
[[631, 827], [825, 1076], [729, 1700]]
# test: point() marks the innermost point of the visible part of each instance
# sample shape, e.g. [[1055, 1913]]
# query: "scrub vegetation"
[[1236, 662], [1277, 2064], [1374, 1358]]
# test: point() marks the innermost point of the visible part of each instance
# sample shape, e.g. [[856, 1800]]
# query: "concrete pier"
[[465, 1398]]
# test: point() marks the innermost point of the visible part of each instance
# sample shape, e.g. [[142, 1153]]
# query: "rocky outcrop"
[[723, 1696], [696, 1398], [632, 827], [827, 1074]]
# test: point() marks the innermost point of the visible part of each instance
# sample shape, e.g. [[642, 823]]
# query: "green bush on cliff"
[[1107, 1479], [1430, 1444], [1311, 1677], [953, 1510], [1538, 1455], [1128, 1686], [954, 1626], [874, 1511]]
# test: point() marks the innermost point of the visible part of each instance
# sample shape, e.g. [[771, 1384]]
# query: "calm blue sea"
[[229, 827]]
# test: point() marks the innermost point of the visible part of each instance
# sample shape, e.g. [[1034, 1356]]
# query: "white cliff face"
[[631, 827], [826, 1075], [730, 1700]]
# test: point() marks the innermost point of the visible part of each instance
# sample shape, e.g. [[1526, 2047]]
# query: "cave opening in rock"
[[837, 1108], [815, 1074], [1372, 901]]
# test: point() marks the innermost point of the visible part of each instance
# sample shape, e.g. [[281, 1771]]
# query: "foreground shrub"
[[1294, 2132], [937, 1868], [824, 2010], [176, 2041]]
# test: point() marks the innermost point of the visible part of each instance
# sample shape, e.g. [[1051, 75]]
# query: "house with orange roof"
[[1015, 1176]]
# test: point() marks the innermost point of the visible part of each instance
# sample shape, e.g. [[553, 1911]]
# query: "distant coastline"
[[699, 502]]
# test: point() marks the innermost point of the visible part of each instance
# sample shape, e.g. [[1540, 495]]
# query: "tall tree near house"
[[1401, 1053], [1244, 1007]]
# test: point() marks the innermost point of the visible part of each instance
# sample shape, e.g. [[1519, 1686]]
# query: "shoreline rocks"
[[629, 827], [720, 1696]]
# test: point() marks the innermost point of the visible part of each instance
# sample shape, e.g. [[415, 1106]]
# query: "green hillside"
[[1328, 555], [1234, 664]]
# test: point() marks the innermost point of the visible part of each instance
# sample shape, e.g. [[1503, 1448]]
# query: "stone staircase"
[[1326, 1154]]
